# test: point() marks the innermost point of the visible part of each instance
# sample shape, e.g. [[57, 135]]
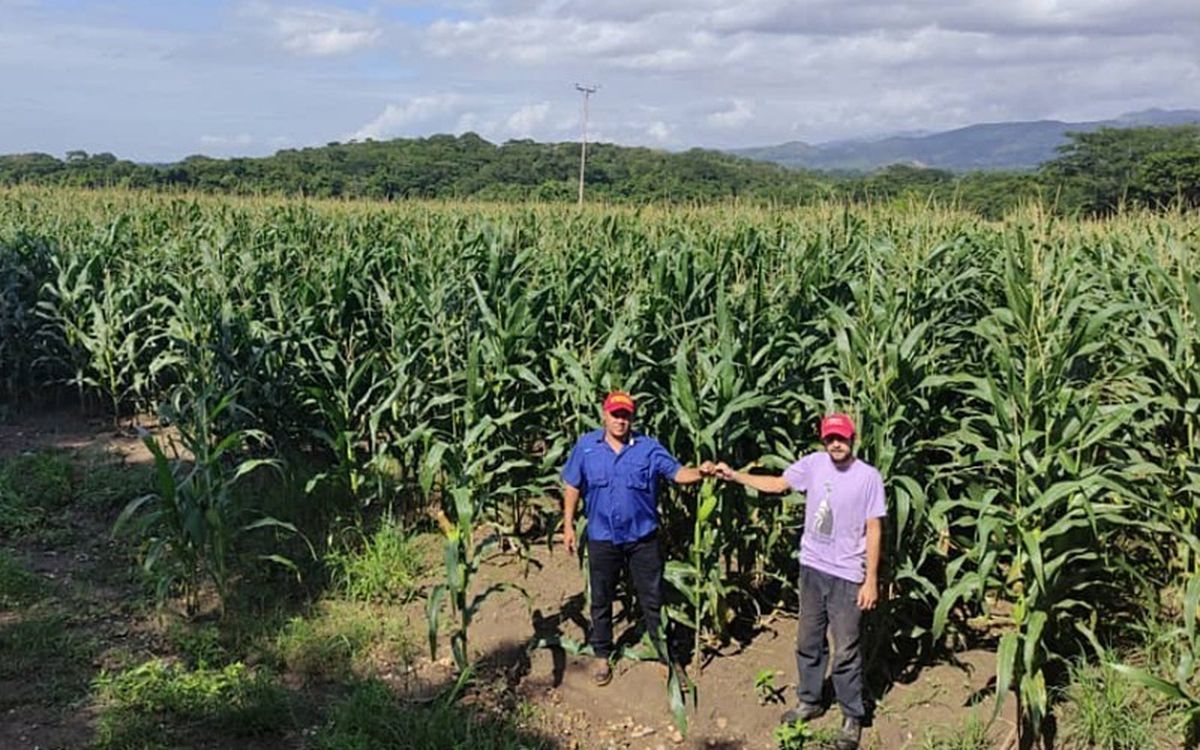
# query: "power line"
[[587, 92]]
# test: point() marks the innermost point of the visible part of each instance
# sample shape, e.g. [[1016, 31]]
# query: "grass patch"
[[383, 567], [16, 518], [25, 644], [44, 646], [132, 731], [972, 735], [199, 646], [1103, 710], [341, 639], [108, 483], [32, 486], [156, 703], [43, 479], [18, 587], [798, 735], [372, 719]]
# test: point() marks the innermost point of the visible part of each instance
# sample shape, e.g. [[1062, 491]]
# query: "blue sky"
[[157, 81]]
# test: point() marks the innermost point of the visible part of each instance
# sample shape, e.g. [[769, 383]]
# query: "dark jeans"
[[643, 560], [829, 602]]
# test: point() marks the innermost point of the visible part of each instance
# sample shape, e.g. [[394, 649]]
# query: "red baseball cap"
[[619, 401], [837, 424]]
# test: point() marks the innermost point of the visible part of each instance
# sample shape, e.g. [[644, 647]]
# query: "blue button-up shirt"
[[619, 489]]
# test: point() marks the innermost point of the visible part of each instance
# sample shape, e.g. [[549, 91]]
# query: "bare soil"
[[108, 610], [67, 429], [633, 711]]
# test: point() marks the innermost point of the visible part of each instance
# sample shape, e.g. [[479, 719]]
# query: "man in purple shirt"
[[840, 550], [616, 471]]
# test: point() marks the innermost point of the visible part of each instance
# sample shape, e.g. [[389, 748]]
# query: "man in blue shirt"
[[616, 471]]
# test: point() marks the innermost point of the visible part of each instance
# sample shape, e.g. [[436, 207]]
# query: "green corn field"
[[1030, 390]]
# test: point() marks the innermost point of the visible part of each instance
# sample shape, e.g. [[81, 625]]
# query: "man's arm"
[[570, 503], [693, 474], [868, 593], [775, 485]]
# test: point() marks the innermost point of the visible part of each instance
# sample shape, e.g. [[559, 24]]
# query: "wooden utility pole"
[[587, 92]]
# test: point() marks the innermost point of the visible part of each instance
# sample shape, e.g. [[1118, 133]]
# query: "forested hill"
[[991, 146], [1096, 172], [440, 166]]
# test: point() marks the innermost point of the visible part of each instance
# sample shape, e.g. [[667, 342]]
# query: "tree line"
[[1095, 173]]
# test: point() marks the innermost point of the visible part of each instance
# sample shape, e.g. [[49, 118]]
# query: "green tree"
[[1098, 172]]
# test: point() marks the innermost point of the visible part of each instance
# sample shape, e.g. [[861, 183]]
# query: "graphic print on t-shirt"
[[824, 519]]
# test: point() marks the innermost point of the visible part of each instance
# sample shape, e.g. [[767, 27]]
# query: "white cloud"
[[705, 35], [314, 32], [106, 77], [536, 40], [526, 121], [470, 122], [737, 115], [226, 141], [332, 41], [398, 119], [659, 131]]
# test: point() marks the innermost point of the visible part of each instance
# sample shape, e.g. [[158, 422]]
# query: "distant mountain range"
[[989, 146]]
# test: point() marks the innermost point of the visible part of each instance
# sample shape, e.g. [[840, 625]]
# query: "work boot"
[[602, 672], [802, 712], [849, 736]]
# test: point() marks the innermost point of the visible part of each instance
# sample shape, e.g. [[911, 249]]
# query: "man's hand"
[[723, 471], [570, 503], [868, 595], [708, 469]]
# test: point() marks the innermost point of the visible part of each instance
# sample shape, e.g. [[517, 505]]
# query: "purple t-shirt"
[[835, 516]]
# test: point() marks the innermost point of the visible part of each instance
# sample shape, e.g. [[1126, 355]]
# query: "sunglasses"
[[836, 439], [622, 414]]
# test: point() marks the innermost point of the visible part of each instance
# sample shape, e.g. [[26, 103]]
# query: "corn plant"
[[349, 400], [708, 414], [886, 344], [25, 263], [193, 522], [698, 580], [1043, 438], [1027, 387], [1167, 339], [464, 551], [466, 546]]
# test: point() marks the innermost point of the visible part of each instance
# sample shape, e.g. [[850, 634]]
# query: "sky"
[[156, 80]]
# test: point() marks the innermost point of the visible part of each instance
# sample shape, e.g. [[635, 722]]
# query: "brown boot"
[[602, 673]]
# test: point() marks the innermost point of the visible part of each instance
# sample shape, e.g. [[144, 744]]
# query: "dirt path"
[[90, 610], [68, 429], [633, 711]]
